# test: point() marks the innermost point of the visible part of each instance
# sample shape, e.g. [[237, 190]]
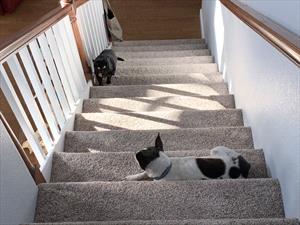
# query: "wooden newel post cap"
[[63, 3]]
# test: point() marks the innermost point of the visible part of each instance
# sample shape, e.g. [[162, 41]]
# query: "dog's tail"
[[120, 59]]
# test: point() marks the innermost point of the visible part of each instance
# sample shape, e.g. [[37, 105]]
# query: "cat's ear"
[[158, 143]]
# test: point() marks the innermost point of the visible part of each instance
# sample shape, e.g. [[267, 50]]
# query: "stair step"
[[146, 79], [159, 42], [168, 69], [173, 119], [106, 201], [168, 47], [157, 104], [262, 221], [115, 166], [174, 140], [163, 54], [166, 61], [159, 90]]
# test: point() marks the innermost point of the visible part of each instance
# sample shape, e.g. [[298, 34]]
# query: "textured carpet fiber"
[[165, 61], [158, 120], [177, 47], [168, 69], [264, 221], [160, 42], [144, 79], [174, 140], [252, 198], [162, 54], [159, 90], [115, 166], [158, 104]]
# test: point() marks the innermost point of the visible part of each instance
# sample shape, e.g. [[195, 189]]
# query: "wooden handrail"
[[33, 169], [16, 41], [285, 41]]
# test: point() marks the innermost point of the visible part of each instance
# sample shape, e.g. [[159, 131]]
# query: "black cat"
[[105, 65]]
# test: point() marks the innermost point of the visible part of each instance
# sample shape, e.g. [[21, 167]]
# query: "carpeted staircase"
[[172, 87]]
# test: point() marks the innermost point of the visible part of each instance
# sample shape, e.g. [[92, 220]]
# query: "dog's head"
[[242, 169], [146, 156]]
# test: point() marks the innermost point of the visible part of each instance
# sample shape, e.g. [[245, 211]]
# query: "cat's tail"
[[120, 59]]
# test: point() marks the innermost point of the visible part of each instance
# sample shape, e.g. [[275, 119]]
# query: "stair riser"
[[118, 49], [156, 54], [160, 42], [196, 90], [165, 61], [116, 166], [174, 140], [173, 69], [166, 79], [158, 120], [159, 200], [117, 105]]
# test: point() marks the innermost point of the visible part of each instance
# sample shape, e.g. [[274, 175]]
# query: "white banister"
[[84, 34], [54, 75], [37, 55], [75, 53], [60, 31], [60, 67], [49, 75], [40, 92], [66, 63], [28, 97], [20, 114], [92, 28]]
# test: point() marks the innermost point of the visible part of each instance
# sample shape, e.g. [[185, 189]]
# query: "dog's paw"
[[130, 178]]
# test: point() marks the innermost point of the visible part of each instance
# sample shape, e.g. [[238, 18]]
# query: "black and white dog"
[[223, 163], [105, 65]]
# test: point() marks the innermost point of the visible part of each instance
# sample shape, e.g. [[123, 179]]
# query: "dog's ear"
[[158, 143], [244, 166]]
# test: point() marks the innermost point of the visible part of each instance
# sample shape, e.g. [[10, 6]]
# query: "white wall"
[[266, 86], [283, 12], [18, 191]]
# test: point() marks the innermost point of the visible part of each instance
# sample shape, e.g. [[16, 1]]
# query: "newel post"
[[73, 18]]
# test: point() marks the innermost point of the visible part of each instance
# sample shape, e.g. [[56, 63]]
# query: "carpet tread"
[[149, 104], [211, 199], [174, 139], [115, 166]]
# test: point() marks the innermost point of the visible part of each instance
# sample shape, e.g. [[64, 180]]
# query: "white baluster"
[[40, 92], [87, 21], [75, 52], [97, 44], [97, 25], [84, 33], [66, 42], [54, 75], [60, 67], [103, 28], [24, 88], [20, 115], [39, 60], [68, 61]]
